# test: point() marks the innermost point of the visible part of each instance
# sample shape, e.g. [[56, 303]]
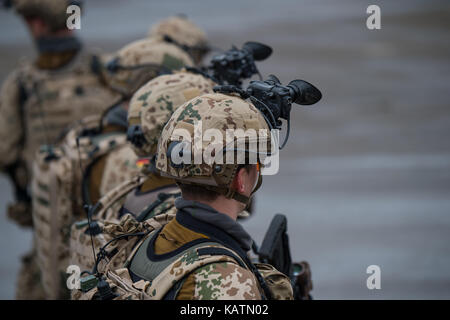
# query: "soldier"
[[150, 109], [61, 188], [126, 71], [201, 253], [33, 99], [213, 195], [185, 34], [34, 108]]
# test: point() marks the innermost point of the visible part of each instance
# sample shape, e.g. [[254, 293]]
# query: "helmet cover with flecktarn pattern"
[[217, 125], [140, 61], [153, 104]]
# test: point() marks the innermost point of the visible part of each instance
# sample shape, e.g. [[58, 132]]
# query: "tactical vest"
[[164, 273], [159, 269], [57, 199], [52, 99], [111, 208], [145, 275], [162, 286]]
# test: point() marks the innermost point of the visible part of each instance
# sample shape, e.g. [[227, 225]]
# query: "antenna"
[[86, 207]]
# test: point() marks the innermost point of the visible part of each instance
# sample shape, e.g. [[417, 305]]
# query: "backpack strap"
[[115, 194], [171, 279]]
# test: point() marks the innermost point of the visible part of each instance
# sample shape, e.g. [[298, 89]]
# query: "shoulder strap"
[[167, 272], [167, 284], [218, 252], [213, 232]]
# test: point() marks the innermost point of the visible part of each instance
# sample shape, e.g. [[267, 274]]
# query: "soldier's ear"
[[239, 180]]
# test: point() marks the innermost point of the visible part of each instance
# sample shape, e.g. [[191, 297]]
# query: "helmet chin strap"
[[227, 192]]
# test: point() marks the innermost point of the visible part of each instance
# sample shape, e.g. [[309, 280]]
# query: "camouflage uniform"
[[61, 188], [58, 193], [34, 109], [227, 279]]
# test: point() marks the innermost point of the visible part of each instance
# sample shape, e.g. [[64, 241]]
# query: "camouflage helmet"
[[140, 61], [203, 133], [184, 33], [53, 12], [153, 104]]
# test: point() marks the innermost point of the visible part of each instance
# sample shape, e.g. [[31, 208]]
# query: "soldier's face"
[[37, 27]]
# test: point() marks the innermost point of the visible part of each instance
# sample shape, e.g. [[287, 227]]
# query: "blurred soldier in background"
[[35, 108], [61, 188], [33, 99]]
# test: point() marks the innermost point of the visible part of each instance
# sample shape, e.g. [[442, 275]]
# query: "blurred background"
[[365, 177]]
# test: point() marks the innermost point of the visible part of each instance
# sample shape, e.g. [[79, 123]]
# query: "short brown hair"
[[194, 192]]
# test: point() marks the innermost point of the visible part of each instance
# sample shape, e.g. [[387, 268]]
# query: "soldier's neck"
[[56, 51], [224, 205]]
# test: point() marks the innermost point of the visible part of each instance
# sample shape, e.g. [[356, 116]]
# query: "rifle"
[[275, 250]]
